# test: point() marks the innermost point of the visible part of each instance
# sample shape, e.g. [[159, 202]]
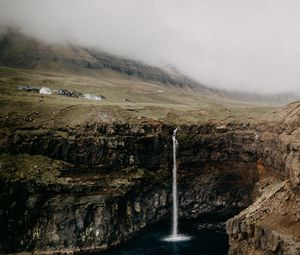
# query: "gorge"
[[101, 184]]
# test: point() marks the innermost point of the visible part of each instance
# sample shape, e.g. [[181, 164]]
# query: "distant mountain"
[[19, 50], [22, 51]]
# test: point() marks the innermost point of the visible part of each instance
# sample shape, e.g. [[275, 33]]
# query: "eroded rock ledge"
[[271, 225], [110, 181]]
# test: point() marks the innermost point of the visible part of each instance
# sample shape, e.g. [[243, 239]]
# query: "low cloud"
[[229, 44]]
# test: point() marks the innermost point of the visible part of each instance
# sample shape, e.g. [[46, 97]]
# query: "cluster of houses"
[[62, 92]]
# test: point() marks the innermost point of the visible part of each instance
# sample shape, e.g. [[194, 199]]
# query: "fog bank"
[[228, 44]]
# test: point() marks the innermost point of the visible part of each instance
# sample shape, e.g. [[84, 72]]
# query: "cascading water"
[[174, 187], [175, 237]]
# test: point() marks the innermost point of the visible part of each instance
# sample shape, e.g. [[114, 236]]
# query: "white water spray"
[[174, 187], [175, 237]]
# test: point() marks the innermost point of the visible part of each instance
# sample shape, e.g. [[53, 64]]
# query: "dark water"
[[205, 241]]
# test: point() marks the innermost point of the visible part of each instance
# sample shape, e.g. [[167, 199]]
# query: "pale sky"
[[228, 44]]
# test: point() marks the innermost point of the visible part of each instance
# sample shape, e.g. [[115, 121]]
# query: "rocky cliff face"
[[92, 187], [111, 181], [271, 224]]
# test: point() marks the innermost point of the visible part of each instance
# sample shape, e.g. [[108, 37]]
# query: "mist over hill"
[[19, 50], [248, 46], [22, 51]]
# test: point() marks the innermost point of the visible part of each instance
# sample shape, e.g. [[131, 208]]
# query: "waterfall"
[[175, 237], [174, 187]]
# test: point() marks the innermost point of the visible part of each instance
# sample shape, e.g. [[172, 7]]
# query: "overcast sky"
[[251, 45]]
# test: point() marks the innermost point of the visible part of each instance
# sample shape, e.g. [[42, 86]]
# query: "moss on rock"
[[24, 167]]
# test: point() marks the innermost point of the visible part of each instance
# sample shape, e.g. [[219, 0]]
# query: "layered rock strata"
[[271, 225], [110, 181]]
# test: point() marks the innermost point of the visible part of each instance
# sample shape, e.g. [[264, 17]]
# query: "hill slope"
[[18, 50], [134, 91]]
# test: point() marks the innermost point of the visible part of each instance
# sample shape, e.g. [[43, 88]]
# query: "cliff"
[[95, 186], [105, 183], [271, 224]]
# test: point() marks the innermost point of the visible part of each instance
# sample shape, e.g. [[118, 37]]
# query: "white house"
[[92, 97], [46, 91]]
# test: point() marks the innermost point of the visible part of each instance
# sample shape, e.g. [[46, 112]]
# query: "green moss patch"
[[24, 167]]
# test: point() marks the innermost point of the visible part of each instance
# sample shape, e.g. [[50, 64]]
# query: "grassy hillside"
[[128, 100], [135, 92], [20, 51]]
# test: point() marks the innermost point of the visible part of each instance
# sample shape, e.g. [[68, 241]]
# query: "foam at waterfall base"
[[176, 238]]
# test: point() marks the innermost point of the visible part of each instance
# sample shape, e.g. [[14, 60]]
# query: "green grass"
[[24, 167], [173, 105]]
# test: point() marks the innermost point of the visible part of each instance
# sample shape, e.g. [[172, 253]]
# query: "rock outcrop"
[[110, 181], [271, 225]]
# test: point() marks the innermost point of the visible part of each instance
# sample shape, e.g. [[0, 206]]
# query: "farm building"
[[29, 88], [46, 91], [94, 97]]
